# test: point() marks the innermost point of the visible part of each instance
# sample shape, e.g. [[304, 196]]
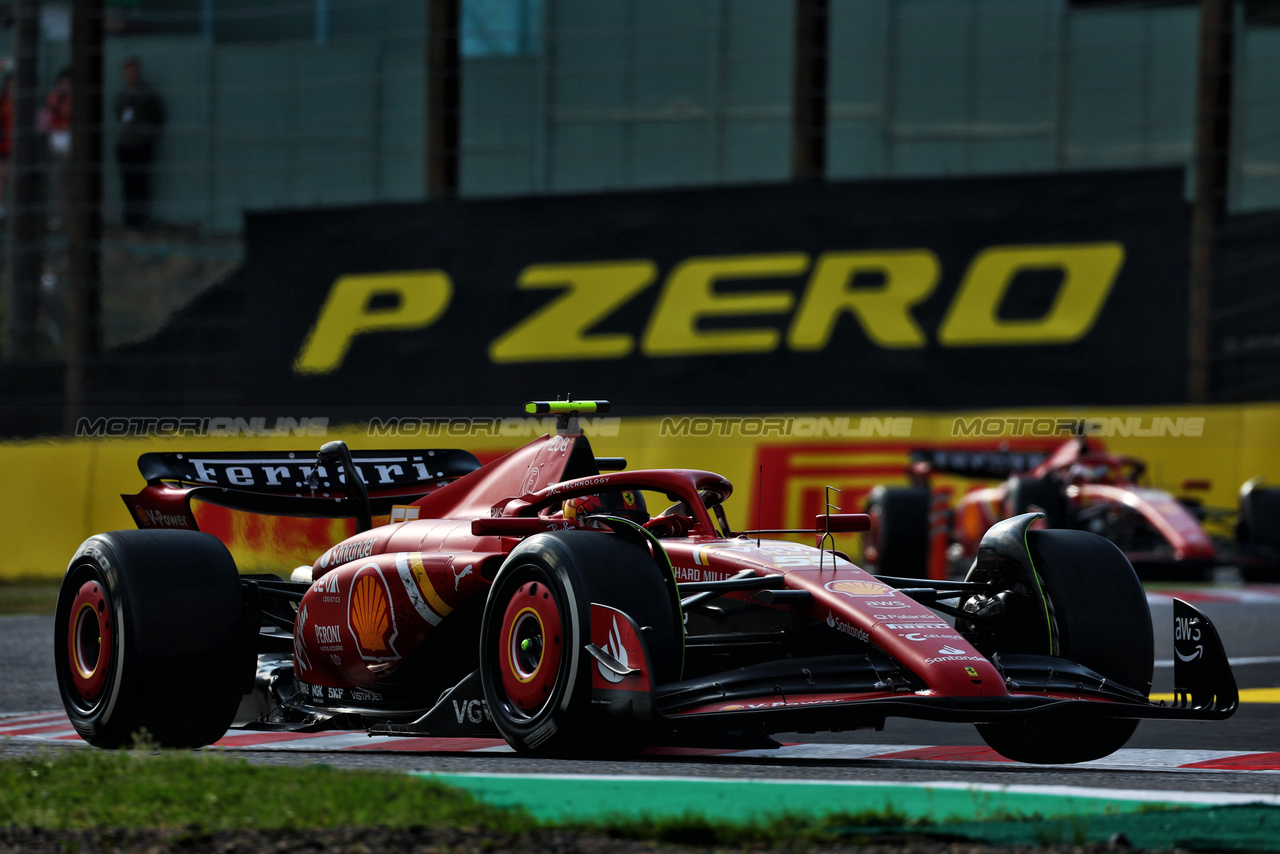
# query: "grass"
[[183, 790], [28, 597], [184, 795], [190, 792]]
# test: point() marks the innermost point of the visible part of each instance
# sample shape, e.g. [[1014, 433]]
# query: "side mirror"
[[843, 523]]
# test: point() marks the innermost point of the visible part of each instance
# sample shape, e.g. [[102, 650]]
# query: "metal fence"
[[299, 103]]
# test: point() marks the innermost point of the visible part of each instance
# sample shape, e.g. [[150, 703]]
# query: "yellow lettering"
[[884, 312], [422, 296], [690, 296], [557, 331], [1089, 270]]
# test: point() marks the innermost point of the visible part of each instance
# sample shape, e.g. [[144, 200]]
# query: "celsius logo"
[[841, 626], [920, 637]]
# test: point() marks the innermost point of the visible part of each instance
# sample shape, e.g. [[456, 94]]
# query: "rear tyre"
[[534, 667], [898, 542], [151, 632], [1258, 531], [1259, 524], [1029, 493], [1100, 619]]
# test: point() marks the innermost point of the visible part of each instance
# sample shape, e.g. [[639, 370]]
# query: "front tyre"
[[1098, 616], [1026, 494], [898, 542], [151, 632], [534, 668]]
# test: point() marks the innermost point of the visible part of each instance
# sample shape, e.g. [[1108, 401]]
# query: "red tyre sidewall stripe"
[[90, 610], [532, 601]]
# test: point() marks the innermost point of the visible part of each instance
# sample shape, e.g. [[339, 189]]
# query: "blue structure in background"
[[281, 104]]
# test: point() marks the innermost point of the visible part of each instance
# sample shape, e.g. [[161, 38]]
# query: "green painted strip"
[[1012, 815], [600, 798], [1229, 828]]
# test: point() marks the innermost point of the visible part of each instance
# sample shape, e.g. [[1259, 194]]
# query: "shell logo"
[[731, 708], [372, 621], [858, 588]]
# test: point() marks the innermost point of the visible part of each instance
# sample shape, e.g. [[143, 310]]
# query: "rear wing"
[[290, 472], [988, 465], [280, 483]]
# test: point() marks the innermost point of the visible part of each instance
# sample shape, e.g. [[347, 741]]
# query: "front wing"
[[830, 693]]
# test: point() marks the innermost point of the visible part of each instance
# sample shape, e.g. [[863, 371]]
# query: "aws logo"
[[685, 319]]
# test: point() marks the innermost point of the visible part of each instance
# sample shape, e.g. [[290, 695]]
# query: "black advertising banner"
[[1029, 290], [1245, 321]]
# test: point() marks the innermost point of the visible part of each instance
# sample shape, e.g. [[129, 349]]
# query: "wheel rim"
[[90, 641], [529, 654]]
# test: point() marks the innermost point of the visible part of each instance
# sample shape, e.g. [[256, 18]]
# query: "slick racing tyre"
[[1026, 494], [1100, 618], [1259, 524], [898, 542], [1258, 531], [534, 667], [151, 633]]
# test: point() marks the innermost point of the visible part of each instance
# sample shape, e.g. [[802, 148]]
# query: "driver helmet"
[[626, 503]]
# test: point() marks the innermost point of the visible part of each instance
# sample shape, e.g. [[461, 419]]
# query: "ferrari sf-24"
[[918, 530], [536, 599]]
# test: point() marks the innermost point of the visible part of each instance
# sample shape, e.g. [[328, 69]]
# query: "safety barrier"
[[60, 491]]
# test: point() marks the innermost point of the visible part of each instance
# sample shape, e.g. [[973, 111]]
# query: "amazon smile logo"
[[1186, 631]]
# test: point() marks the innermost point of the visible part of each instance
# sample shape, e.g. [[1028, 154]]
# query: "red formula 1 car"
[[535, 599], [918, 530]]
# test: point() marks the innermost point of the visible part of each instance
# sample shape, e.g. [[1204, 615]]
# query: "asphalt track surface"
[[1248, 629]]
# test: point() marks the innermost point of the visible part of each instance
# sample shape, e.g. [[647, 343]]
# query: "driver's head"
[[627, 504]]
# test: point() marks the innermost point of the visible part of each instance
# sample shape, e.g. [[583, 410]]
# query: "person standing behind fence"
[[141, 115], [6, 141], [55, 122]]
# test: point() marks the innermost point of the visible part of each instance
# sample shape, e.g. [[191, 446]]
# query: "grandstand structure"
[[285, 104], [291, 103]]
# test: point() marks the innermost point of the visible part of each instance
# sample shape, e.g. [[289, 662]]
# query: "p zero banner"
[[1066, 289]]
